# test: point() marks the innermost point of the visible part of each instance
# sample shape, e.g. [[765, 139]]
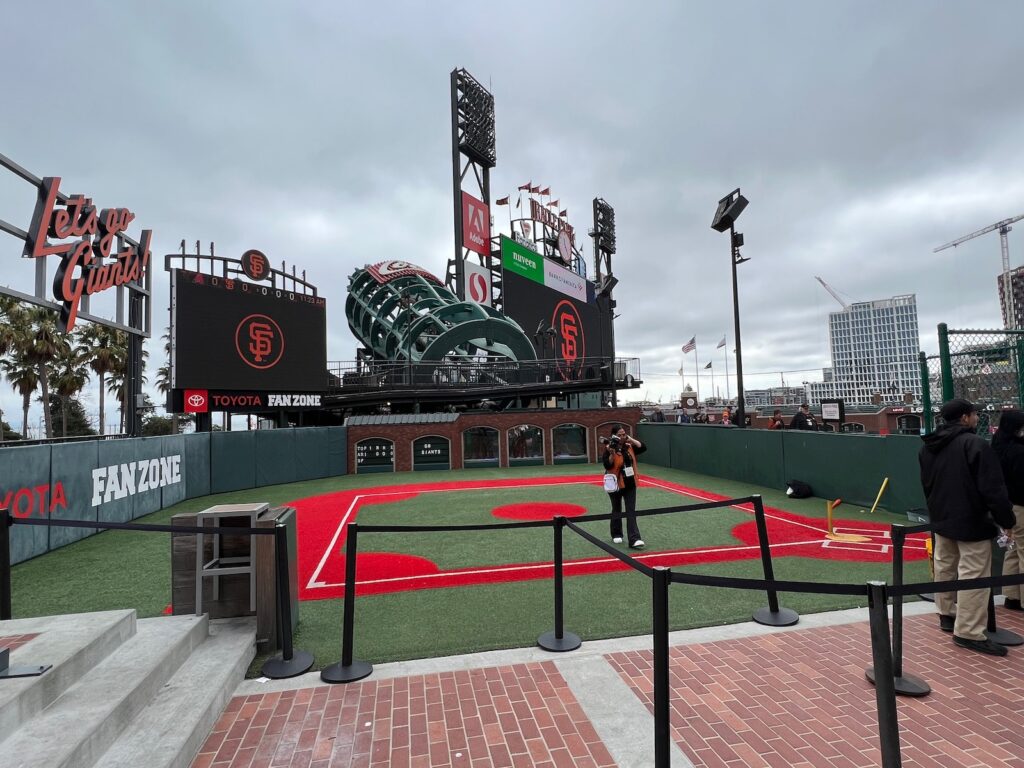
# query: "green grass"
[[119, 569]]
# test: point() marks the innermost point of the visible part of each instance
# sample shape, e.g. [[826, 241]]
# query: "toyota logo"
[[196, 401]]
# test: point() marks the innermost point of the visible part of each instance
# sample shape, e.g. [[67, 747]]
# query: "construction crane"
[[1010, 318], [834, 295]]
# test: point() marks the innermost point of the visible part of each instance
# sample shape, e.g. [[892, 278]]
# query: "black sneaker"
[[946, 623], [981, 646], [1013, 605]]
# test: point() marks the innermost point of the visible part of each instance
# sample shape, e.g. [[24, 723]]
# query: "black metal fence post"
[[905, 685], [291, 662], [772, 615], [885, 691], [998, 634], [347, 670], [5, 564], [559, 639], [662, 733]]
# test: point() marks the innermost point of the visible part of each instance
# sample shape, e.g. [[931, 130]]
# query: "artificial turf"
[[119, 569]]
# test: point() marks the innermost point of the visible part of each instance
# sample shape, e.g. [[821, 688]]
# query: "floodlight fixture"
[[608, 283], [729, 209], [475, 106]]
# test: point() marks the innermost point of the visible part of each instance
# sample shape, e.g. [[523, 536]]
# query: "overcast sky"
[[864, 135]]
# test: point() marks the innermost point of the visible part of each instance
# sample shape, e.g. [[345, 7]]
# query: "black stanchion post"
[[347, 670], [994, 633], [885, 691], [5, 564], [772, 615], [291, 662], [662, 734], [905, 685], [559, 639]]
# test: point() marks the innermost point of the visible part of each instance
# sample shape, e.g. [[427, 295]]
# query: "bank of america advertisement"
[[522, 261]]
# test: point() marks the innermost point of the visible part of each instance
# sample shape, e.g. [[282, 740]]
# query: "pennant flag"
[[519, 201], [553, 204], [526, 187], [534, 190], [720, 344], [690, 345], [564, 213], [546, 191], [504, 201], [707, 366]]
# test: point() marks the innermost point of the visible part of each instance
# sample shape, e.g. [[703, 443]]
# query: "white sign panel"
[[564, 281], [478, 283]]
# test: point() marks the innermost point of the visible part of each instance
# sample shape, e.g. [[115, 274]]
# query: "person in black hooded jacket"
[[963, 484], [1008, 443]]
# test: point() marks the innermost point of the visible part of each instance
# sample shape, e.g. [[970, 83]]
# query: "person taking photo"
[[620, 452]]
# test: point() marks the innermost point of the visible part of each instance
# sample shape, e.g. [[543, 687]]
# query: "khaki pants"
[[1013, 562], [963, 560]]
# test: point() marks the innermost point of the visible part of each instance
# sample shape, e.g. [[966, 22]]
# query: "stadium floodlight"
[[475, 120], [729, 209]]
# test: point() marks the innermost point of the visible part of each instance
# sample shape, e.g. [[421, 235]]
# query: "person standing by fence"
[[1008, 443], [964, 487]]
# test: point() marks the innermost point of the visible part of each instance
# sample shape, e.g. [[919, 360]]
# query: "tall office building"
[[874, 347], [1017, 291]]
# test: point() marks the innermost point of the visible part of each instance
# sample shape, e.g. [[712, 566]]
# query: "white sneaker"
[[617, 540], [638, 544]]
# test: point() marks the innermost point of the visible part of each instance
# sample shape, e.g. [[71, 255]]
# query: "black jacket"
[[1010, 450], [963, 484], [803, 421]]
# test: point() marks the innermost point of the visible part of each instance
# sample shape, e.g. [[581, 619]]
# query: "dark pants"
[[629, 495]]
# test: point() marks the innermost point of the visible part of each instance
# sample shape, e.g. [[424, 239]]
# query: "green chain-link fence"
[[985, 367]]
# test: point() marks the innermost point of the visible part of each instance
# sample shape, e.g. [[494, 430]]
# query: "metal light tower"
[[729, 209]]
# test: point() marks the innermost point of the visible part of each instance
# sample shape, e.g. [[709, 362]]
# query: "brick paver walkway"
[[518, 715], [800, 700], [16, 641]]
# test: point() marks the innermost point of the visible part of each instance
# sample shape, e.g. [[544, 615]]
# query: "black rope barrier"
[[631, 562], [558, 640], [291, 662], [885, 692], [348, 670], [904, 684], [773, 615]]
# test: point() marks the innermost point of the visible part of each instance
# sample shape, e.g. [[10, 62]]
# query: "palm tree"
[[24, 378], [163, 377], [68, 376], [118, 382], [41, 347], [102, 355]]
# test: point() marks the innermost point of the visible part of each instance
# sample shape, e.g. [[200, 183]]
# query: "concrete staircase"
[[122, 691]]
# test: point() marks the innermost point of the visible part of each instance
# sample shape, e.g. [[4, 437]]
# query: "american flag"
[[690, 345]]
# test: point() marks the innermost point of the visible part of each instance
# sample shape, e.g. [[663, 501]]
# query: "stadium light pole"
[[729, 209]]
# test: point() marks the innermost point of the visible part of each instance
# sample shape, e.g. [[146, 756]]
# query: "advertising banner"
[[478, 283], [520, 260], [561, 279], [476, 225]]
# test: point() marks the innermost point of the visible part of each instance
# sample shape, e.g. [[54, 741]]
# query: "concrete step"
[[82, 724], [73, 644], [169, 732]]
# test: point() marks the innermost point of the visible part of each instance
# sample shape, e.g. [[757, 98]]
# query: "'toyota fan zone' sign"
[[86, 267]]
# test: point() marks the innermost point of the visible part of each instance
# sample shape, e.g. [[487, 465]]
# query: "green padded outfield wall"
[[845, 466], [134, 477]]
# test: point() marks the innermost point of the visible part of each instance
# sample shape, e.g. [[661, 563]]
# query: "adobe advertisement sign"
[[234, 335], [476, 225], [89, 243]]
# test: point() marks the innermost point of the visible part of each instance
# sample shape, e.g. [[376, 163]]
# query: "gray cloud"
[[864, 135]]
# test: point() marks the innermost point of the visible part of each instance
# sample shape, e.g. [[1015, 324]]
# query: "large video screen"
[[561, 327], [230, 334]]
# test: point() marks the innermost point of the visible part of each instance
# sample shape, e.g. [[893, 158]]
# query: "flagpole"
[[697, 361], [726, 351], [713, 380]]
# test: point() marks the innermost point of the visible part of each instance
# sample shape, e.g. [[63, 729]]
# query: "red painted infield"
[[321, 521]]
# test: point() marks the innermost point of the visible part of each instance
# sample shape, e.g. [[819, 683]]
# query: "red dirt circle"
[[538, 510]]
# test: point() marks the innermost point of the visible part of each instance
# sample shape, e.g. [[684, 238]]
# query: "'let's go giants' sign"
[[90, 262]]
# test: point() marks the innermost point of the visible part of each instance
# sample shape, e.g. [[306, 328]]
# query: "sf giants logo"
[[259, 342], [572, 343], [255, 265]]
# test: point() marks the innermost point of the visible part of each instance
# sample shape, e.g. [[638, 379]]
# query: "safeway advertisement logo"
[[478, 283], [476, 225], [196, 401]]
